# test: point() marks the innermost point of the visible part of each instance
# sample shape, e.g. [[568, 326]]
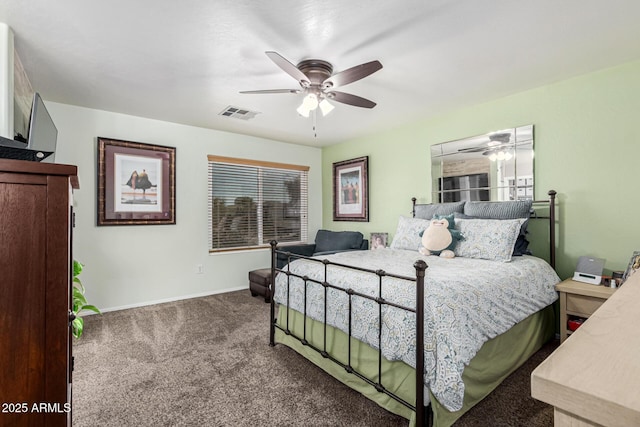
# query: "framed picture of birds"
[[136, 183]]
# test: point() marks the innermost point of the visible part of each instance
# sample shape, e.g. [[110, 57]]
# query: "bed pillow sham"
[[491, 239], [521, 246], [430, 210], [408, 233], [512, 209]]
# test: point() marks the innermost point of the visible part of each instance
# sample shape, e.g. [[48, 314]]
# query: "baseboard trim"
[[165, 300]]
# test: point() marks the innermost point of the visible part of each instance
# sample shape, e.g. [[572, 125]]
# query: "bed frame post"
[[420, 267], [413, 209], [272, 286], [552, 228]]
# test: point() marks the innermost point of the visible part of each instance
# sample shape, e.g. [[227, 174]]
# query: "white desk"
[[593, 378]]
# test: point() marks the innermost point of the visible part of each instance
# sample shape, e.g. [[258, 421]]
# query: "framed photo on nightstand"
[[378, 240], [634, 265]]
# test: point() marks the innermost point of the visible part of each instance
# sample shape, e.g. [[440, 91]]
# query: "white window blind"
[[253, 202]]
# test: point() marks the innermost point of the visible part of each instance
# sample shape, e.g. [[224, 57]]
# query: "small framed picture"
[[634, 265], [378, 240]]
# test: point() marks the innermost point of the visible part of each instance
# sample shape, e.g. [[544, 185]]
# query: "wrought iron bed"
[[423, 414]]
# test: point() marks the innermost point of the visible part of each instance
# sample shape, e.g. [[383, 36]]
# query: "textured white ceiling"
[[186, 61]]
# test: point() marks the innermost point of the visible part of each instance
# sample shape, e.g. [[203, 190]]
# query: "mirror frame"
[[496, 166]]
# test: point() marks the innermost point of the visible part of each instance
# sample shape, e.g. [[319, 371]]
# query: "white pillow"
[[491, 239], [408, 233]]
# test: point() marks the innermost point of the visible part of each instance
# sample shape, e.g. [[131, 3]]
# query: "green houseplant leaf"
[[80, 303]]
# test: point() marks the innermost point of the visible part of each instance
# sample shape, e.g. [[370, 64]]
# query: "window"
[[253, 202]]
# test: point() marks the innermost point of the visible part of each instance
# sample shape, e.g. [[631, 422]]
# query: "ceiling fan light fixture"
[[498, 155], [325, 107], [310, 102], [304, 112]]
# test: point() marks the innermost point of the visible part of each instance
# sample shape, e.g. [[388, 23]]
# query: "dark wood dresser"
[[35, 292]]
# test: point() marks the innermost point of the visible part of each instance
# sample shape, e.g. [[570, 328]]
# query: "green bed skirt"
[[496, 359]]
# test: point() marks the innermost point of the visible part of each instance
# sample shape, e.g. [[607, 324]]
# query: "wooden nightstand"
[[579, 299]]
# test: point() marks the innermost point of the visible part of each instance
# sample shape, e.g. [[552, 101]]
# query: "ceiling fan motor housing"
[[316, 70]]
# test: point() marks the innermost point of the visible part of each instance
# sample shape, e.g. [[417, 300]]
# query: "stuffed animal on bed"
[[440, 237]]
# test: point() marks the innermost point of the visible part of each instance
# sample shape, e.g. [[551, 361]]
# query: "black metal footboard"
[[424, 416]]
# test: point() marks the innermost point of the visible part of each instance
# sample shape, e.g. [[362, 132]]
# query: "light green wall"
[[587, 146]]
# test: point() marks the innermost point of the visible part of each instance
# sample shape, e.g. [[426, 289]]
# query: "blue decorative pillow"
[[430, 210], [498, 210]]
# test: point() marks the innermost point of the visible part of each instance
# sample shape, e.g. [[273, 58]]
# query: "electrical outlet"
[[199, 269]]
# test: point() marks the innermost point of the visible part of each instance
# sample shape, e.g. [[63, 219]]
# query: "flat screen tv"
[[43, 136]]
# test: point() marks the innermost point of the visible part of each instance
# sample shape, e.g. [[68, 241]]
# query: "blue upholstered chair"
[[326, 242]]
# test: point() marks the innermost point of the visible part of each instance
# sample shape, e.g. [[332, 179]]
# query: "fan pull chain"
[[315, 115]]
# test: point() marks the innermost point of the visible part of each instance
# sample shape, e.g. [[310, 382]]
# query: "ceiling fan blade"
[[352, 74], [472, 149], [289, 68], [295, 91], [347, 98]]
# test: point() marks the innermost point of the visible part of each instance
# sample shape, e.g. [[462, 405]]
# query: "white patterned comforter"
[[467, 302]]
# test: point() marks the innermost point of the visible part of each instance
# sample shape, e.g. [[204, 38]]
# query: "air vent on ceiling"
[[238, 113]]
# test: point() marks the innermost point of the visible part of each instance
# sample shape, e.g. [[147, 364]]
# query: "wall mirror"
[[495, 166]]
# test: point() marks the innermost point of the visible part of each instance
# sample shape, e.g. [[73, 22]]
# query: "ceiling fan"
[[496, 141], [317, 83]]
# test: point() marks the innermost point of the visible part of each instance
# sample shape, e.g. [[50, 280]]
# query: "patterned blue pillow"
[[408, 233], [491, 239], [511, 209]]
